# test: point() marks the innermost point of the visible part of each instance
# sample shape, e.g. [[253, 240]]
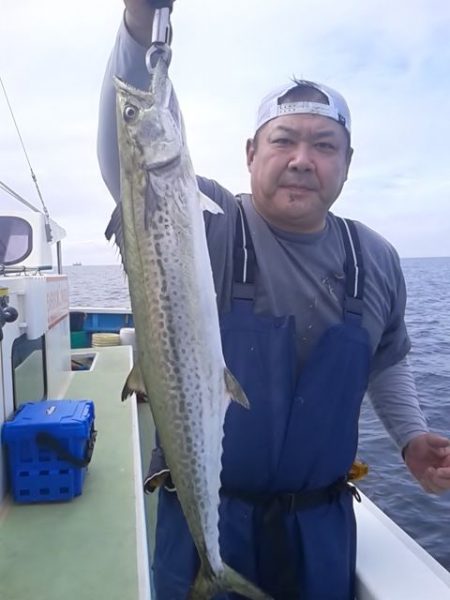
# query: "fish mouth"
[[164, 165]]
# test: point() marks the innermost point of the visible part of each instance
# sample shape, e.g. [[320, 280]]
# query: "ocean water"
[[425, 517]]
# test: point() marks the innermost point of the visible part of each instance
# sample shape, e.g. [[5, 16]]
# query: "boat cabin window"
[[16, 240], [28, 364]]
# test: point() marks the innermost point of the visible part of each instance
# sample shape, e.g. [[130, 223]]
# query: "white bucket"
[[128, 338]]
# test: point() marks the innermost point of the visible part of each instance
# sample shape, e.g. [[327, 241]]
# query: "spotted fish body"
[[160, 231]]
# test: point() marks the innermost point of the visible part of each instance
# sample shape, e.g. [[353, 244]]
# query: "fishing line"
[[33, 176]]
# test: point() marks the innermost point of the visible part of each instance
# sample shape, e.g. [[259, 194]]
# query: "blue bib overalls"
[[286, 515]]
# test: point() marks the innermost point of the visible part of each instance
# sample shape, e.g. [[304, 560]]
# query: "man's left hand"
[[427, 456]]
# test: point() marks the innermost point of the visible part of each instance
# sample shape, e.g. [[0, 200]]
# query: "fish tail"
[[207, 585]]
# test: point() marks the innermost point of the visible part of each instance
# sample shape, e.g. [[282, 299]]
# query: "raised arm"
[[127, 61]]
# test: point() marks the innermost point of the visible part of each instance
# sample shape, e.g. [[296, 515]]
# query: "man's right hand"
[[161, 3], [139, 20]]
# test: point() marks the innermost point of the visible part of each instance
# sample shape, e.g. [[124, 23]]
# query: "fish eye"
[[130, 112]]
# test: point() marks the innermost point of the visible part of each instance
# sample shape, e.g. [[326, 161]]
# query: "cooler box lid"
[[70, 416]]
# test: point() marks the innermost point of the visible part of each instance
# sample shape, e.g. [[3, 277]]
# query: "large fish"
[[159, 229]]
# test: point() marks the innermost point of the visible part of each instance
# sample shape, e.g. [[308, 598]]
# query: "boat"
[[99, 544]]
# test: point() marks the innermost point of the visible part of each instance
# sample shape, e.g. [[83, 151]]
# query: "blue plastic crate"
[[49, 445]]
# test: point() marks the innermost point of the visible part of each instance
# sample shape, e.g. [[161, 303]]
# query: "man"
[[312, 315]]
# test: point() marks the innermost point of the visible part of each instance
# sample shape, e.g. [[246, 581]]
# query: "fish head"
[[150, 123]]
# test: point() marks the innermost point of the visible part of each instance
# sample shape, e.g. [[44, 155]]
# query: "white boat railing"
[[390, 564]]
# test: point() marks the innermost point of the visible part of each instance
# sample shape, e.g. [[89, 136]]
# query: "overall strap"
[[244, 258], [354, 272]]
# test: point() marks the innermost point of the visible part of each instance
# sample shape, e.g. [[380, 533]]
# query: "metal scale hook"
[[161, 35]]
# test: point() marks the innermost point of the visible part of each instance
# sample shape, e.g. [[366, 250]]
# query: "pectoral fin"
[[207, 204], [115, 229], [134, 383], [234, 389]]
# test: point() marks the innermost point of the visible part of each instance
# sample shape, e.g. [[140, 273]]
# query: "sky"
[[391, 61]]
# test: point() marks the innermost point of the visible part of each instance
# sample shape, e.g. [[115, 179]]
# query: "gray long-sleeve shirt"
[[300, 274]]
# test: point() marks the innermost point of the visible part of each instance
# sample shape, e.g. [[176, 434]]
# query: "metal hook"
[[155, 53], [161, 39]]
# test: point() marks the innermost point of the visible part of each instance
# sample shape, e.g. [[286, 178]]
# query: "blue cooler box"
[[49, 445]]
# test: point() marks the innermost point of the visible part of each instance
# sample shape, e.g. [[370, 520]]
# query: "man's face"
[[297, 169]]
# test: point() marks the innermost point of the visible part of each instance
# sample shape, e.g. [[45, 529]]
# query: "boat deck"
[[94, 546]]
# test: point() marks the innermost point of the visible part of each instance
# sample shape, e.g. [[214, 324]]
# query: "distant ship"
[[76, 264]]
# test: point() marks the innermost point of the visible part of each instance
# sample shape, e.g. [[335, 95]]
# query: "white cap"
[[336, 108]]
